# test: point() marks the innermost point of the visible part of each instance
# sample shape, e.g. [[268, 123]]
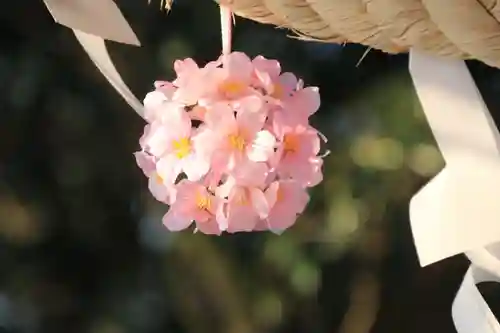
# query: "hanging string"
[[226, 25]]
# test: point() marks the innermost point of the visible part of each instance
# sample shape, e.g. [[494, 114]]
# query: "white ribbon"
[[458, 210], [93, 21]]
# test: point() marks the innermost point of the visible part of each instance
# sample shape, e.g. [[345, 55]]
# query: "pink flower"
[[193, 203], [161, 191], [246, 204], [157, 102], [277, 86], [304, 102], [266, 70], [193, 83], [235, 76], [296, 156], [237, 138], [287, 199], [175, 149], [296, 108]]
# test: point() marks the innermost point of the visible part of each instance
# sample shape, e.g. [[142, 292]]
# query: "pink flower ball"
[[229, 146]]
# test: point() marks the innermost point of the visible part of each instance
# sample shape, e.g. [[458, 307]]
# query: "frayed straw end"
[[164, 4]]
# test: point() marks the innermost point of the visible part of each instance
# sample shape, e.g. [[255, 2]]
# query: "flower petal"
[[262, 148], [175, 221], [241, 218], [146, 162], [220, 118], [259, 202], [307, 101], [195, 167], [250, 174], [209, 227], [169, 168], [269, 66]]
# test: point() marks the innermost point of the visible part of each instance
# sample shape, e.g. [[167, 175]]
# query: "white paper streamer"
[[470, 312], [96, 49], [93, 21], [458, 210]]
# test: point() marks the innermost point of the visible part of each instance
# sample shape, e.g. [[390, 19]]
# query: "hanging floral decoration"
[[229, 146]]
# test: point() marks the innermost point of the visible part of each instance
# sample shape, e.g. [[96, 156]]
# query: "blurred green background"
[[82, 248]]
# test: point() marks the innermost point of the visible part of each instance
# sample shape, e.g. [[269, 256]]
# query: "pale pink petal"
[[252, 104], [292, 200], [263, 80], [154, 100], [200, 216], [272, 175], [221, 118], [169, 168], [226, 188], [316, 174], [209, 227], [250, 174], [279, 124], [146, 162], [160, 191], [185, 196], [315, 140], [163, 111], [271, 193], [262, 225], [156, 141], [306, 101], [268, 66], [241, 218], [250, 122], [212, 179], [221, 217], [178, 123], [288, 82], [307, 171], [275, 160], [295, 196], [281, 220], [241, 214], [174, 221], [184, 69], [262, 148], [205, 142], [144, 137], [239, 67], [259, 202], [309, 142], [194, 166], [222, 160]]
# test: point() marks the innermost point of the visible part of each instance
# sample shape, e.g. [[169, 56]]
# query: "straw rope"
[[453, 28]]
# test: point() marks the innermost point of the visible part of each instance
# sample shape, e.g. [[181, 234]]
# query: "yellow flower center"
[[182, 147], [291, 143], [203, 201], [231, 87], [278, 91], [280, 194], [237, 141]]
